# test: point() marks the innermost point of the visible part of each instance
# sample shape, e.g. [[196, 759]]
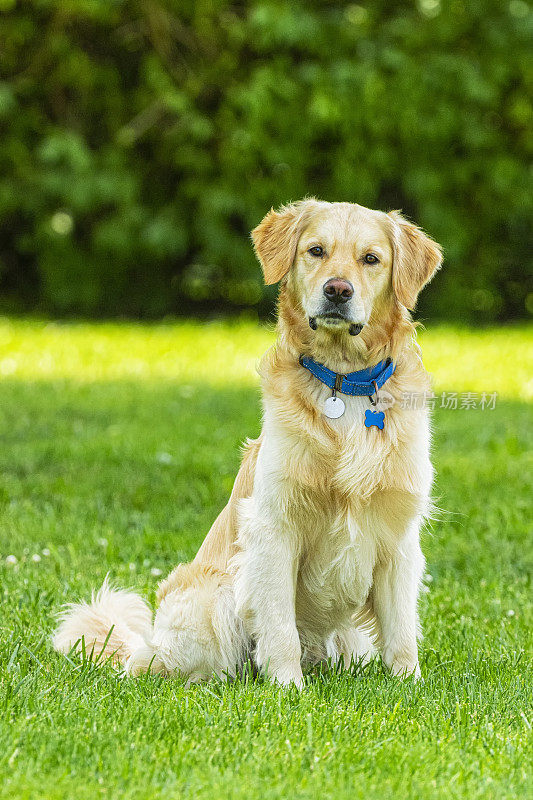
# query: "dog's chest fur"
[[335, 575], [347, 459], [348, 500]]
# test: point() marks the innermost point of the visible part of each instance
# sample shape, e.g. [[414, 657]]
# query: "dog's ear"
[[276, 238], [416, 259]]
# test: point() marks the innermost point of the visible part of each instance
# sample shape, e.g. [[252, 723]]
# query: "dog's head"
[[342, 263]]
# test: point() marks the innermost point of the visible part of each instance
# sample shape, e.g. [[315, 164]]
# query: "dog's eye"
[[316, 251], [370, 258]]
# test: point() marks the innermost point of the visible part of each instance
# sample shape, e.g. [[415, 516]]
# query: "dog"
[[317, 554]]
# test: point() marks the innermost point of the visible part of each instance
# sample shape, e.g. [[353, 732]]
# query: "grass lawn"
[[119, 446]]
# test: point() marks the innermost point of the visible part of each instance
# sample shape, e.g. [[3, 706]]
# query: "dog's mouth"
[[334, 319]]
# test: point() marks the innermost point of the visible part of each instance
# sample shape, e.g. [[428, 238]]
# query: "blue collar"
[[363, 383]]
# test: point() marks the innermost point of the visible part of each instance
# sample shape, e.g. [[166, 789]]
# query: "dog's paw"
[[288, 676], [402, 661], [144, 659], [402, 670]]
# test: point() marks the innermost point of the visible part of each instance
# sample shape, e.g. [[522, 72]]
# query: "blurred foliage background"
[[141, 140]]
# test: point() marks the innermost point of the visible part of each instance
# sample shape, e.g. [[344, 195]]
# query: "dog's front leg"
[[265, 586], [395, 597]]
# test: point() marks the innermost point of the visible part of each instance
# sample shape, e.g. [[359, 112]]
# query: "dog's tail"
[[114, 625]]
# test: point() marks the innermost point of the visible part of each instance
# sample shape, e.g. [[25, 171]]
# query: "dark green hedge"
[[140, 142]]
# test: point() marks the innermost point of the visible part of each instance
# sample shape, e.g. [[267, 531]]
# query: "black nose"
[[338, 290]]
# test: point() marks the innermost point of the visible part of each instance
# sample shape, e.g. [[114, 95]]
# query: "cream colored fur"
[[317, 553], [114, 624]]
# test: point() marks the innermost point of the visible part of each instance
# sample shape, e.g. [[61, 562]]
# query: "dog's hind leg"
[[196, 631]]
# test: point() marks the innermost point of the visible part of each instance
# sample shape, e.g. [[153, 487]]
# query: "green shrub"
[[142, 140]]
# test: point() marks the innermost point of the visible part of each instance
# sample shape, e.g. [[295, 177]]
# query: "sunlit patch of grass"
[[486, 360], [215, 352], [218, 352]]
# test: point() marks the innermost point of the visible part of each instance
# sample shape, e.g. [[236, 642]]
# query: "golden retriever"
[[317, 553]]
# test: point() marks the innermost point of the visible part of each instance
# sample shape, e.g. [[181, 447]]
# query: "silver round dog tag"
[[334, 407]]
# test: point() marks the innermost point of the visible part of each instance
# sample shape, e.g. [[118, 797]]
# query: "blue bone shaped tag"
[[376, 418]]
